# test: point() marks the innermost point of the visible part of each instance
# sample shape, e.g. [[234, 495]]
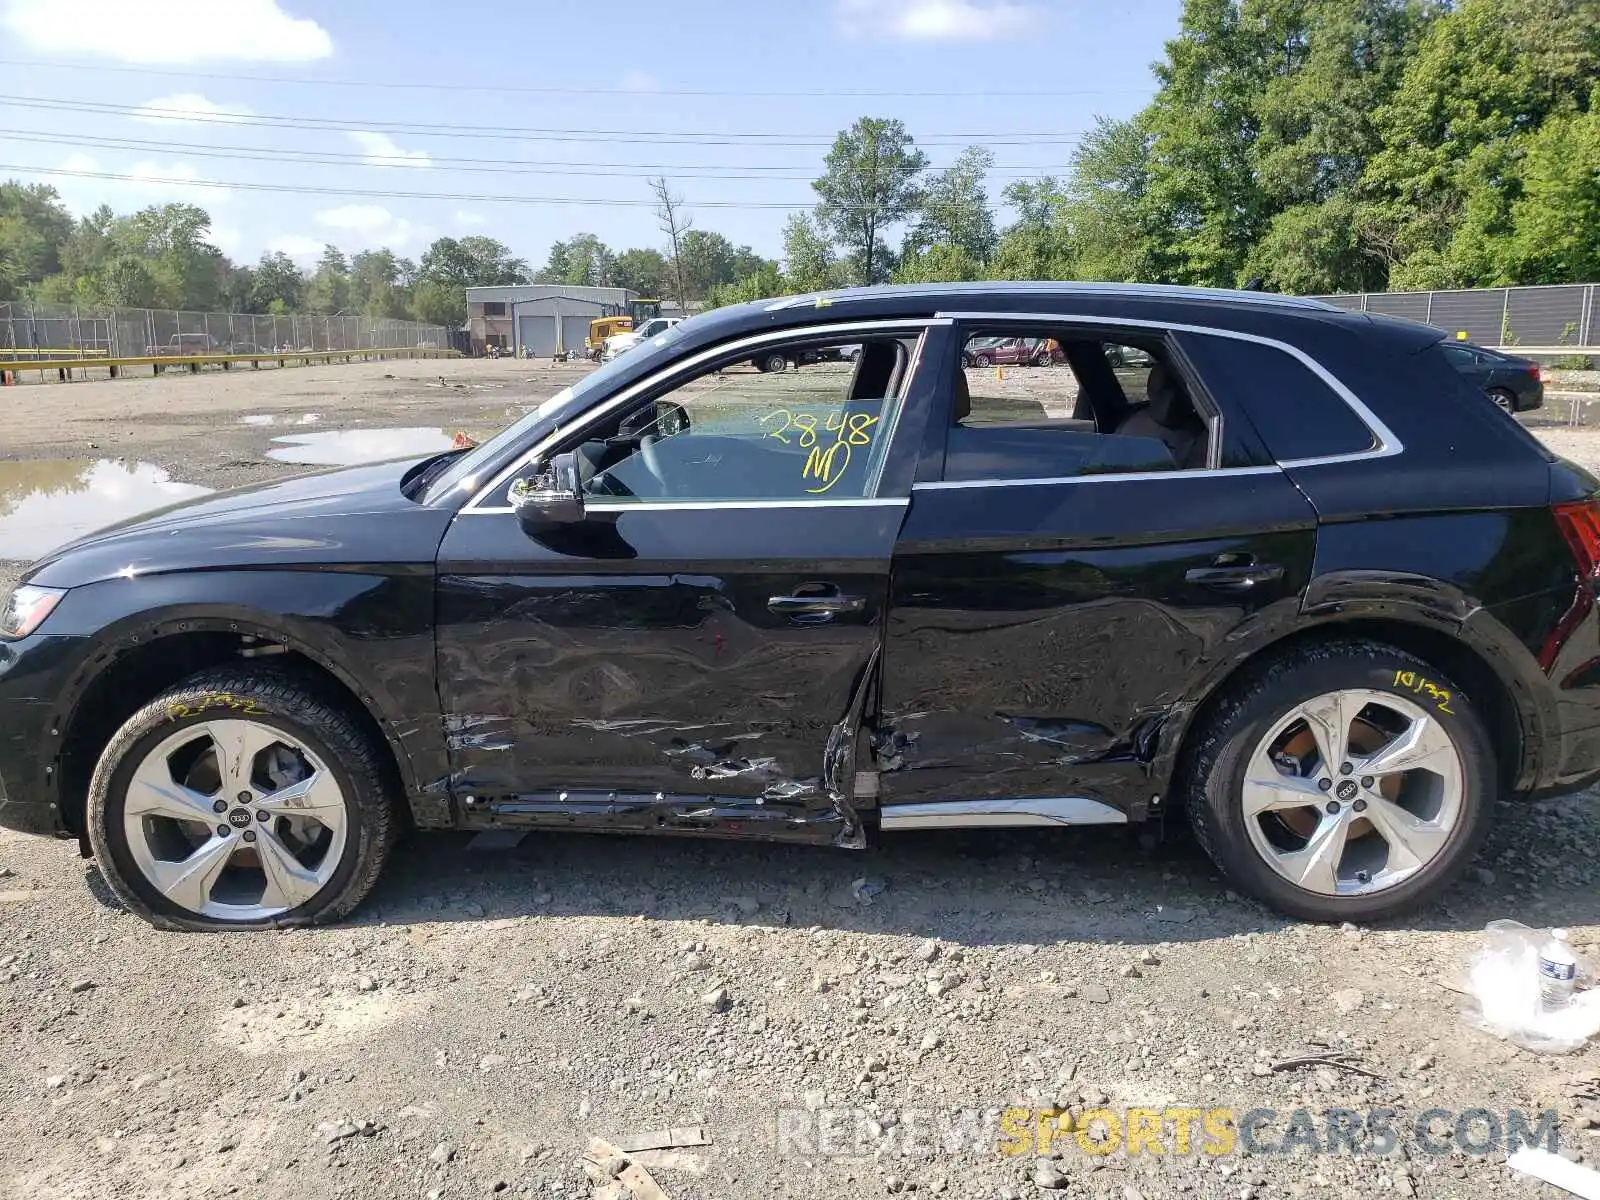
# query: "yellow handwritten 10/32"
[[827, 461]]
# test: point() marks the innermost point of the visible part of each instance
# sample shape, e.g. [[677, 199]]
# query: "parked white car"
[[620, 343]]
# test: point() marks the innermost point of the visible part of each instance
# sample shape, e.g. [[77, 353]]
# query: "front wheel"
[[241, 798], [1351, 782]]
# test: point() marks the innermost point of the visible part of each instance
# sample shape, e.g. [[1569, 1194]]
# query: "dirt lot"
[[491, 1008]]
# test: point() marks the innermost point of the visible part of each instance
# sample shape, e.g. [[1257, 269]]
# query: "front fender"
[[369, 627]]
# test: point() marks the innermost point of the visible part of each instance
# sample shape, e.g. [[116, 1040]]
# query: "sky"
[[301, 122]]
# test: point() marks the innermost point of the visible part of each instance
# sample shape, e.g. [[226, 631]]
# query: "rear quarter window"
[[1296, 413]]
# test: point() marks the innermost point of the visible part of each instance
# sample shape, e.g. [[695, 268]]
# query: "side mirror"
[[553, 497]]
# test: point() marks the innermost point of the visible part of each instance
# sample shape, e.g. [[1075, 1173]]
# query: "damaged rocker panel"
[[954, 814]]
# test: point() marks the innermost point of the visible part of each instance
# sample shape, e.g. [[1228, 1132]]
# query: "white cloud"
[[167, 31], [297, 246], [226, 238], [370, 225], [187, 108], [935, 20], [141, 183], [380, 151], [463, 217]]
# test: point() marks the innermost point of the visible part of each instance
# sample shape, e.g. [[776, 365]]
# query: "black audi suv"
[[1252, 563]]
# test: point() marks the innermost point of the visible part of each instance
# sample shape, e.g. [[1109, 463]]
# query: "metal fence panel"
[[29, 329], [1554, 315]]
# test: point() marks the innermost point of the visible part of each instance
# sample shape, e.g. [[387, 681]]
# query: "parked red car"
[[1035, 352]]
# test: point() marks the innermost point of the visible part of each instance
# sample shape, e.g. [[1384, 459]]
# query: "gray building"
[[539, 319]]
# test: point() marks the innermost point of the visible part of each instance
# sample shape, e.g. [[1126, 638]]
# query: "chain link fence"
[[1545, 317], [56, 330]]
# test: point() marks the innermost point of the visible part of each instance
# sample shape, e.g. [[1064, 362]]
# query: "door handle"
[[1241, 577], [815, 603]]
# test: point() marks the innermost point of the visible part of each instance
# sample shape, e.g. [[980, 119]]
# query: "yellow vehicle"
[[600, 329]]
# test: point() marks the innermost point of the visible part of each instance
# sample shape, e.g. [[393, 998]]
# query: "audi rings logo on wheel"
[[239, 818]]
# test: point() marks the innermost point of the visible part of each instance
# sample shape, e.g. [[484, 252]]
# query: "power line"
[[511, 89], [475, 165], [386, 194], [510, 132]]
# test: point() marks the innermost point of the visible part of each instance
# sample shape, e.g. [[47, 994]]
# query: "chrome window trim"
[[1112, 477], [684, 366], [1388, 444], [681, 505]]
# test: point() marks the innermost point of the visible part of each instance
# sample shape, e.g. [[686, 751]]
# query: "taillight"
[[1579, 523], [1537, 372]]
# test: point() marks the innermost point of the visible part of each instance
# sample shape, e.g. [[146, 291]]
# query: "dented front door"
[[676, 667]]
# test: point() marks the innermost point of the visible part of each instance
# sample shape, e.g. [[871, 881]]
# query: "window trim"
[[1387, 442], [687, 366]]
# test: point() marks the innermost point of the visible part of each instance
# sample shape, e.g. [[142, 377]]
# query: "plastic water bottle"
[[1558, 972]]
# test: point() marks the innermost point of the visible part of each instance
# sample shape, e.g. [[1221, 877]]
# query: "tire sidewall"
[[147, 729], [1375, 671]]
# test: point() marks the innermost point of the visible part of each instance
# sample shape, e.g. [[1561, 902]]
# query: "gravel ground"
[[492, 1007]]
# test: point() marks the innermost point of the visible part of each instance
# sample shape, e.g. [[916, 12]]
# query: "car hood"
[[356, 515]]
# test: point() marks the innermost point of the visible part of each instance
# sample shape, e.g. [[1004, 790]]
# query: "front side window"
[[817, 429], [1118, 407]]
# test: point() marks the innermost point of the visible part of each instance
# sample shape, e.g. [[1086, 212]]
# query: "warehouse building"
[[539, 319]]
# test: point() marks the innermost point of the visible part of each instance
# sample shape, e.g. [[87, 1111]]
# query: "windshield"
[[465, 469]]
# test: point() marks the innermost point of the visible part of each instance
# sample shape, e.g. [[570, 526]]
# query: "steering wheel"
[[652, 460]]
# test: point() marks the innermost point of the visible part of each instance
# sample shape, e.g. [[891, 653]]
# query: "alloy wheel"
[[235, 820], [1353, 792]]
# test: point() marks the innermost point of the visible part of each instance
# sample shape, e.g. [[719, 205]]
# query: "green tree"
[[642, 271], [809, 261], [375, 284], [1033, 246], [33, 227], [1446, 180], [1556, 219], [870, 183], [1108, 224], [763, 283], [329, 291], [278, 286], [583, 260], [471, 262], [939, 263], [438, 303], [955, 209]]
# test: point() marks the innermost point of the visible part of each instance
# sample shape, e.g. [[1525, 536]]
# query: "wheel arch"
[[137, 664], [1511, 713]]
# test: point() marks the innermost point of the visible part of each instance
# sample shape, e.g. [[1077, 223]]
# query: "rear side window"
[[1296, 413]]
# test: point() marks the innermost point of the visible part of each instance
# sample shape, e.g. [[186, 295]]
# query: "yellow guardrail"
[[193, 362]]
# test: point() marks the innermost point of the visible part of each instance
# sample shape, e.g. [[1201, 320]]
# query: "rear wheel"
[[773, 363], [981, 360], [1505, 398], [241, 798], [1351, 782]]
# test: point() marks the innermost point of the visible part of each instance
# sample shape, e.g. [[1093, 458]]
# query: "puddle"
[[48, 502], [352, 447]]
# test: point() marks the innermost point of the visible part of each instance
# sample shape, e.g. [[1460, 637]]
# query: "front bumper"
[[35, 674]]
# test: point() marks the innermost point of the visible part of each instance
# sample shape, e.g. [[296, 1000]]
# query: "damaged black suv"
[[1269, 565]]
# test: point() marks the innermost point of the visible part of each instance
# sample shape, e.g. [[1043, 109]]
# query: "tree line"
[[1306, 146], [162, 257]]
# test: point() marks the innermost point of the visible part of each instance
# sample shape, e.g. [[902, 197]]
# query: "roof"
[[1036, 288], [518, 293]]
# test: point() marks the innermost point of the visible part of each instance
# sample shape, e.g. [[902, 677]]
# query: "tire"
[[1230, 749], [265, 704], [980, 360], [774, 363], [1505, 398]]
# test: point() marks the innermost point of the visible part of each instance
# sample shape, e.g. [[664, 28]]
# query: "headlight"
[[25, 610]]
